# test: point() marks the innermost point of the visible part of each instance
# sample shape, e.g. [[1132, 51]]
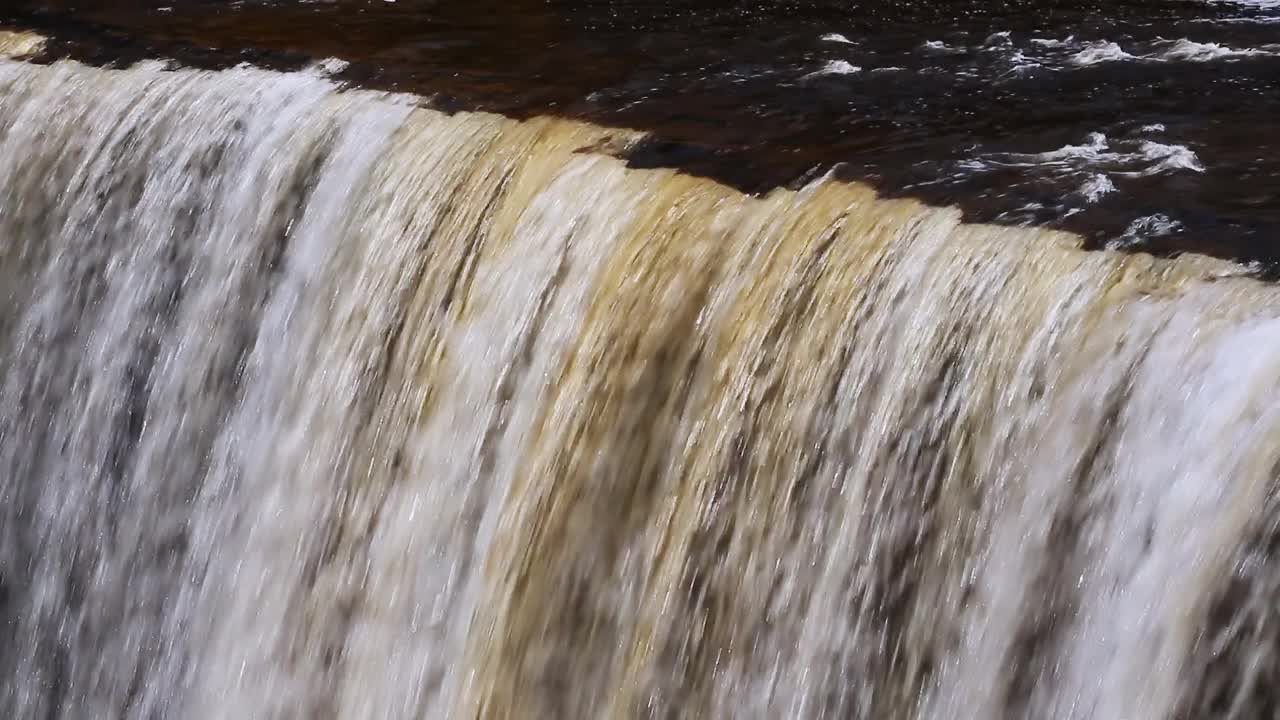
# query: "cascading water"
[[317, 404]]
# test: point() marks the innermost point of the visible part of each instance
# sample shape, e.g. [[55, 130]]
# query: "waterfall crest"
[[316, 403]]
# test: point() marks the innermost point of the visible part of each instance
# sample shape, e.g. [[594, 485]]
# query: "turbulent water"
[[319, 404]]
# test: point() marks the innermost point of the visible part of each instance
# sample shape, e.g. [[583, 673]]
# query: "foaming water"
[[319, 404], [1100, 51], [836, 67], [1094, 166], [1183, 50], [1261, 4]]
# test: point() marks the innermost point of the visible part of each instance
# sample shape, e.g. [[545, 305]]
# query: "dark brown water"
[[1023, 112]]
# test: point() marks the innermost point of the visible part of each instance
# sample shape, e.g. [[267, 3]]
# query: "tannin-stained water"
[[1141, 124], [317, 404]]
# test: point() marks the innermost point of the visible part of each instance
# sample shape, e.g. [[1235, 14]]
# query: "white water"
[[835, 67], [318, 405], [1070, 54]]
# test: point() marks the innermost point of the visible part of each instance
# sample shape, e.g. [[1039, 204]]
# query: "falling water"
[[318, 404]]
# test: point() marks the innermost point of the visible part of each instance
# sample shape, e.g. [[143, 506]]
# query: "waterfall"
[[315, 403]]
